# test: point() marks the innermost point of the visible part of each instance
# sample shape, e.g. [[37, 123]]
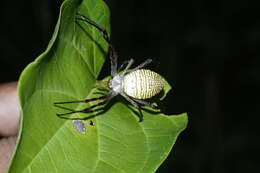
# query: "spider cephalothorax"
[[135, 86]]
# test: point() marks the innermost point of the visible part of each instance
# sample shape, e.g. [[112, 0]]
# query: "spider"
[[135, 86]]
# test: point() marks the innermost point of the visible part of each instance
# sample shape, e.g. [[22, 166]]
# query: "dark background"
[[207, 50]]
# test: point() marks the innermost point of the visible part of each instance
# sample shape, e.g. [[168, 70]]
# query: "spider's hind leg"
[[145, 63], [136, 105], [146, 103]]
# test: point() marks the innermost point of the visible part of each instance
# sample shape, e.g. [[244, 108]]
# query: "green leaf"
[[67, 70]]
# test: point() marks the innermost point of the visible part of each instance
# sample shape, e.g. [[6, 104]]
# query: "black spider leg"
[[146, 103], [130, 63], [160, 104], [112, 53], [136, 105], [106, 99], [123, 64], [145, 63], [128, 66], [82, 101]]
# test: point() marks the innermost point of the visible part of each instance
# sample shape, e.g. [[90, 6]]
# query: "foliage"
[[67, 70]]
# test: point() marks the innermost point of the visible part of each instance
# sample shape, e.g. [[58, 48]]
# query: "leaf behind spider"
[[67, 70]]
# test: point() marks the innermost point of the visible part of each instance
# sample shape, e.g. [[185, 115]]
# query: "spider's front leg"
[[106, 98], [112, 53]]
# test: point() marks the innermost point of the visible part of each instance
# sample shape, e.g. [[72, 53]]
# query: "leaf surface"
[[67, 70]]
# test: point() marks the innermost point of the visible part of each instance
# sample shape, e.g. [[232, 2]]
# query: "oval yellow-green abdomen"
[[142, 84]]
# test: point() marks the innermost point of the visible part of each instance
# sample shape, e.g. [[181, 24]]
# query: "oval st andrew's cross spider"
[[135, 86]]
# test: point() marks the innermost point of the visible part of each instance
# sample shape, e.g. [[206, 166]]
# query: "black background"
[[207, 50]]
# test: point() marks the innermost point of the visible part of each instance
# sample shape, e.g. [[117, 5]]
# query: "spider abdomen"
[[142, 84]]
